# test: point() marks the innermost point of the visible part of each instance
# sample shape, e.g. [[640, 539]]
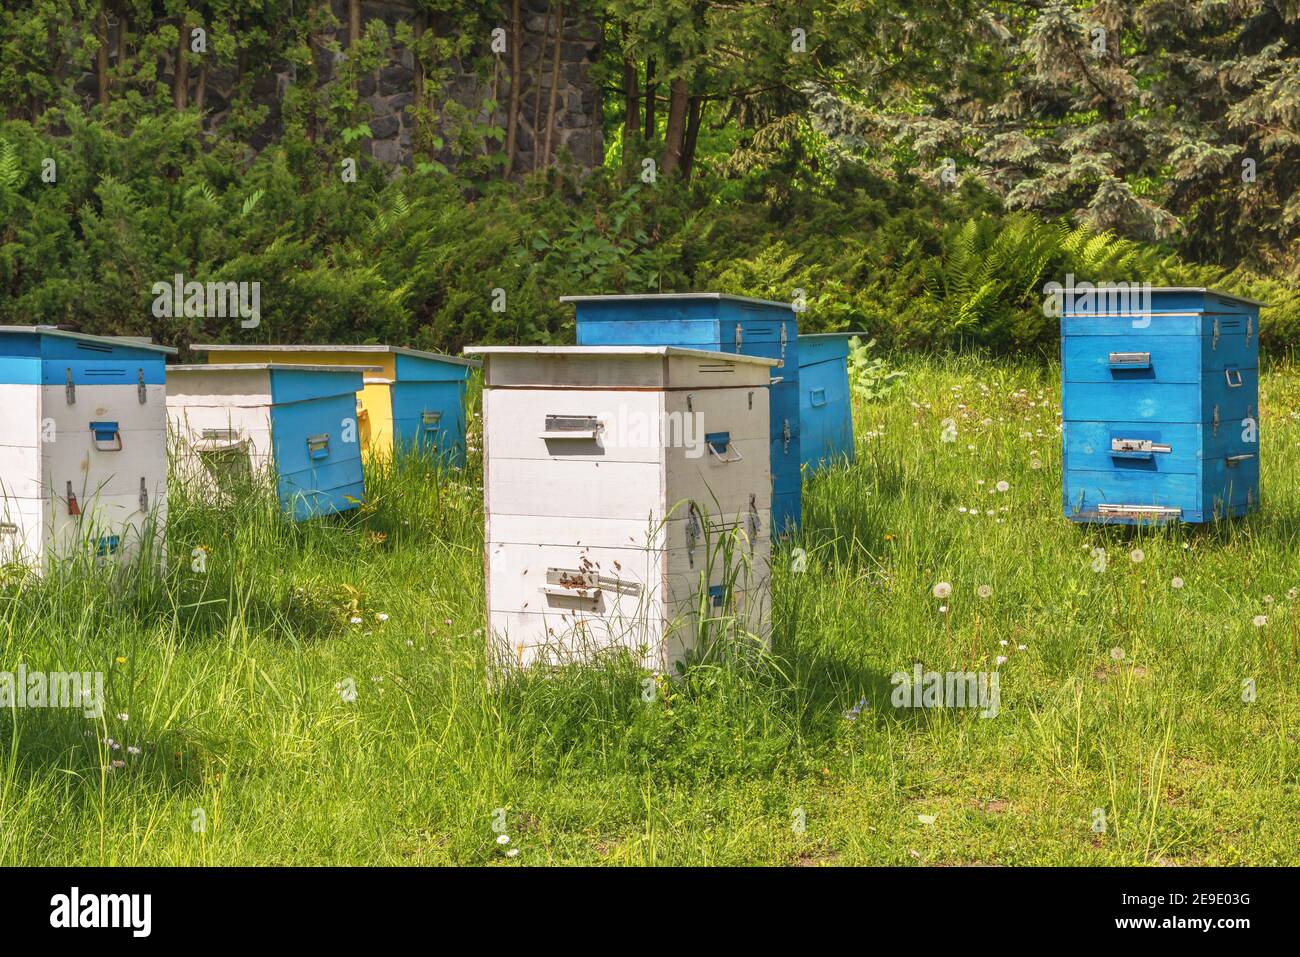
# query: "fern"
[[11, 172]]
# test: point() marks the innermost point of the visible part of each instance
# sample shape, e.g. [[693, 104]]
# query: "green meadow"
[[316, 694]]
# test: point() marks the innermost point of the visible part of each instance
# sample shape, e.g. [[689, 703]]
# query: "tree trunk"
[[354, 22], [555, 77], [650, 99], [675, 133], [201, 89], [695, 112], [516, 78], [101, 56], [181, 79], [537, 91], [632, 97]]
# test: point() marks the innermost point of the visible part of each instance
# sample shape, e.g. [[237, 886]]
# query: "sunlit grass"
[[1127, 696]]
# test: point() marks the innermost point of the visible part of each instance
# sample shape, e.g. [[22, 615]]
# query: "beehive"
[[628, 496], [1160, 406], [249, 420], [414, 400], [825, 410], [83, 445], [731, 324]]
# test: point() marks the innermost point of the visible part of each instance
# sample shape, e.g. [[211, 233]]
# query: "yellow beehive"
[[415, 400]]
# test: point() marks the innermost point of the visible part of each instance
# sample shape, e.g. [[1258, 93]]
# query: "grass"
[[233, 681]]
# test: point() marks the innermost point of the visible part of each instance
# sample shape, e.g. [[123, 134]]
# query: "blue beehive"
[[297, 422], [1160, 405], [825, 412], [414, 401], [720, 323]]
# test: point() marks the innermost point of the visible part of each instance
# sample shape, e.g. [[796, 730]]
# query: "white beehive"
[[83, 445], [628, 501]]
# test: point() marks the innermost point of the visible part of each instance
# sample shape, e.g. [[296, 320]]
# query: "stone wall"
[[390, 91]]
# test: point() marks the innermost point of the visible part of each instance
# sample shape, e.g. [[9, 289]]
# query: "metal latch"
[[755, 523], [740, 336], [720, 447], [318, 446], [106, 432], [692, 534], [140, 391], [1130, 360], [1137, 448], [1233, 378], [570, 427], [1250, 329], [1140, 511], [431, 419], [144, 495], [1233, 461], [1215, 421], [785, 434], [690, 401], [781, 364], [70, 389], [1214, 340]]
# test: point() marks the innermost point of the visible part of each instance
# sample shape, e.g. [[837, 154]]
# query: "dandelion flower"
[[942, 590], [1292, 593], [1268, 599], [1003, 486], [1022, 647], [355, 620], [119, 763], [503, 838], [943, 609], [1137, 555], [984, 591], [513, 852], [123, 717], [382, 616], [926, 818], [1177, 582], [1000, 660], [1117, 653], [1260, 621], [962, 509], [132, 749], [1003, 642], [1035, 464]]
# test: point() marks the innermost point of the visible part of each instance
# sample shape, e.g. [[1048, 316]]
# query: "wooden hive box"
[[628, 500], [295, 422], [825, 409], [1160, 406], [83, 445]]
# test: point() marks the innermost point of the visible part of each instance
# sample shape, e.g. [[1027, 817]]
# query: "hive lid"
[[830, 335], [369, 347], [270, 366], [134, 342], [657, 296], [593, 351], [1204, 290]]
